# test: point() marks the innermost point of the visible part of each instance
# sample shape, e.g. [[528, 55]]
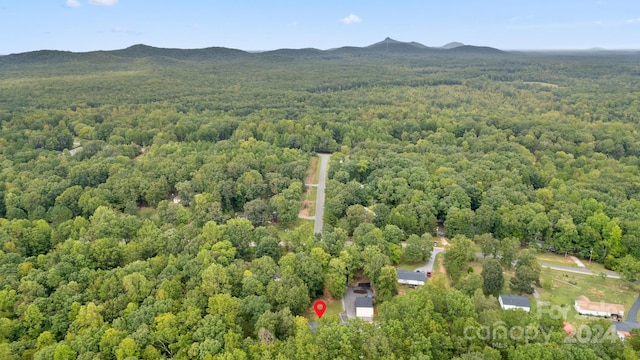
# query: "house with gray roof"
[[508, 302], [411, 278]]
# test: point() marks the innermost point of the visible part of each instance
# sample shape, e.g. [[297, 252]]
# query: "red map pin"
[[319, 307]]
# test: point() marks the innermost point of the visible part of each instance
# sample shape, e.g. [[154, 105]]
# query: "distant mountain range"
[[386, 46]]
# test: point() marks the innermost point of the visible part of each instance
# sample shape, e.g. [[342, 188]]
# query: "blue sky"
[[84, 25]]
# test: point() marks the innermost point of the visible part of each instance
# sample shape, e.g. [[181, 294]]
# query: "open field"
[[562, 288], [556, 259], [540, 83]]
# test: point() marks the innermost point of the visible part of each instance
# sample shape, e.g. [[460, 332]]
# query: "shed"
[[364, 308]]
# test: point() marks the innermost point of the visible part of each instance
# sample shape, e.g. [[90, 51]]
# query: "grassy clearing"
[[409, 266], [308, 206], [598, 268], [541, 83], [334, 308], [556, 259], [439, 275], [314, 171], [562, 289], [405, 289], [307, 228], [309, 201], [475, 265]]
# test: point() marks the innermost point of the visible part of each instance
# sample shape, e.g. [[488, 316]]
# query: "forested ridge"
[[172, 230]]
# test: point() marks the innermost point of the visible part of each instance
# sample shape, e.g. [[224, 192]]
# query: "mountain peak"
[[452, 45], [389, 41]]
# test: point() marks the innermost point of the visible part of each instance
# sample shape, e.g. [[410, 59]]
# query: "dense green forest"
[[172, 230]]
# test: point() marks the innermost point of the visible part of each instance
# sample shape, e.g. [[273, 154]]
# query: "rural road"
[[631, 322], [576, 270], [429, 265], [322, 184]]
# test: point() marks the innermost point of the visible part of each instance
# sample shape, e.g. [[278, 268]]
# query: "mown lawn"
[[562, 288], [334, 308], [556, 259]]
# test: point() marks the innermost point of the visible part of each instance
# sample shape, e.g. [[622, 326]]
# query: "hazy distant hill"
[[452, 45], [476, 50], [391, 42], [143, 52]]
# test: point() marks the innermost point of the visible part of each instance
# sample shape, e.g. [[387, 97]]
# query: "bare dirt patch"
[[306, 208], [312, 174]]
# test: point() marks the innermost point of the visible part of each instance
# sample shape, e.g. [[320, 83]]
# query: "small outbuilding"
[[411, 278], [509, 302], [364, 308]]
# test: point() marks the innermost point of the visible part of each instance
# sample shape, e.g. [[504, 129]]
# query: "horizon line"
[[592, 49]]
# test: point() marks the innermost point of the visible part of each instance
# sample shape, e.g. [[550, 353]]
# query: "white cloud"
[[351, 19], [73, 3], [103, 2], [631, 21]]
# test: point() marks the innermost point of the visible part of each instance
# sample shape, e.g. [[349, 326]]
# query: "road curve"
[[322, 184]]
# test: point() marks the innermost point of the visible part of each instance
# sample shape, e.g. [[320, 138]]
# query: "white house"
[[364, 308], [584, 306], [411, 278], [508, 302]]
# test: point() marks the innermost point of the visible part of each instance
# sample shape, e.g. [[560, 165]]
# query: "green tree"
[[374, 261], [492, 276], [240, 233], [64, 352], [508, 251], [457, 256], [393, 234], [269, 246], [258, 212], [489, 245], [527, 272], [289, 291], [128, 348], [106, 253], [418, 248], [336, 278], [215, 280], [387, 284], [629, 268], [459, 222]]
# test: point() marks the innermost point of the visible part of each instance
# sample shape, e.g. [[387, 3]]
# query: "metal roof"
[[415, 276], [364, 302], [515, 300]]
